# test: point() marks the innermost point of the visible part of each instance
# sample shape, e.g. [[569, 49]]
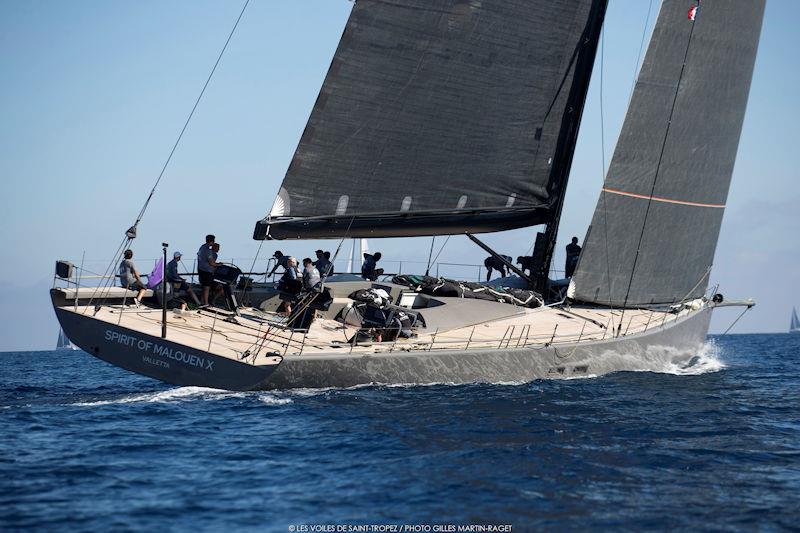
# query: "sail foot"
[[416, 225]]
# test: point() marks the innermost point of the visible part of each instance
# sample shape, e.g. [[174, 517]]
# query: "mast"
[[569, 135]]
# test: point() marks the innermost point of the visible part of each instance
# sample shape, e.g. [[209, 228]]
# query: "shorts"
[[179, 285], [206, 278], [135, 286]]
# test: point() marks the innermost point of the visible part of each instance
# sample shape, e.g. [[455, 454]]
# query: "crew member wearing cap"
[[178, 283], [280, 261]]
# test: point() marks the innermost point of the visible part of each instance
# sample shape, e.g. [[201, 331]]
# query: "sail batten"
[[655, 228], [439, 106]]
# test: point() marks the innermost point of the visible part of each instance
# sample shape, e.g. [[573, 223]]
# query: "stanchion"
[[164, 293]]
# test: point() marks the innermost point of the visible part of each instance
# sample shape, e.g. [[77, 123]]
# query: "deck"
[[256, 337]]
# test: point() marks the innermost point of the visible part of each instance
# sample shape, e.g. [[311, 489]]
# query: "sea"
[[714, 446]]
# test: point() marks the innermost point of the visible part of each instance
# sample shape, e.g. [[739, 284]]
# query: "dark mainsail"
[[656, 224], [442, 116]]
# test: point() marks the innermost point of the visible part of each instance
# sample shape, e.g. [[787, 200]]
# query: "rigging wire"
[[430, 254], [130, 234], [603, 144], [603, 171], [658, 167], [188, 119], [440, 250], [252, 269], [302, 306], [637, 66], [737, 319]]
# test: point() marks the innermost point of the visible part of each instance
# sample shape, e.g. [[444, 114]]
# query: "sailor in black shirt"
[[492, 263], [573, 252]]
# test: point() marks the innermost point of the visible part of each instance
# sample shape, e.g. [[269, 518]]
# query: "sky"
[[94, 93]]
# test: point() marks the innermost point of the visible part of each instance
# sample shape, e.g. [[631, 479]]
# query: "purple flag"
[[156, 275]]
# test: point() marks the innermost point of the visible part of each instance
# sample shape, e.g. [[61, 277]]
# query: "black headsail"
[[442, 116], [655, 228]]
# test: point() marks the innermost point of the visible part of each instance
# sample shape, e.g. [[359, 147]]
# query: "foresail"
[[63, 341], [795, 325], [441, 116], [655, 228]]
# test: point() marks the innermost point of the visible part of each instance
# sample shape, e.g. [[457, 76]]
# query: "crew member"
[[217, 287], [493, 263], [323, 263], [311, 276], [573, 252], [288, 285], [526, 262], [178, 283], [368, 268], [130, 278], [206, 263], [280, 261], [312, 286]]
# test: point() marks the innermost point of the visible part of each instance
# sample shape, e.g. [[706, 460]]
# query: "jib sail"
[[656, 224]]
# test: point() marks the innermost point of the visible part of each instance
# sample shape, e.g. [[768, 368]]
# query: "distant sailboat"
[[63, 342], [794, 327]]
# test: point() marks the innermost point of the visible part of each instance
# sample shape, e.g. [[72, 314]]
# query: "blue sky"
[[94, 93]]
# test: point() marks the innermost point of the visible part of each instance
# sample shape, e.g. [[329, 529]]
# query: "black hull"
[[159, 358], [675, 342]]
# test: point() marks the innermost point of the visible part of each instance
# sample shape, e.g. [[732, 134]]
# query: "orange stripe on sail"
[[666, 200]]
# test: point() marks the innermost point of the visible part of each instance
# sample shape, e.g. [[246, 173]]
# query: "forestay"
[[656, 224], [441, 116]]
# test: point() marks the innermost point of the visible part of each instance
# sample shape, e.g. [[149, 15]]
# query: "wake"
[[707, 360], [189, 394]]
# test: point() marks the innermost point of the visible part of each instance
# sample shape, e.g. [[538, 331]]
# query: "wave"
[[184, 394], [663, 360], [706, 361]]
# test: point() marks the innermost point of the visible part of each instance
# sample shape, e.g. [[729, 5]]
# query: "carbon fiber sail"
[[441, 116], [656, 224]]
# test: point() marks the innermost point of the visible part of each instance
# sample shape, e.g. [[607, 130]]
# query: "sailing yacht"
[[457, 117], [63, 342], [794, 326]]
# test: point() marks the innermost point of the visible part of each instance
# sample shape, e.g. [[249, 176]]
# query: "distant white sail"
[[794, 327], [63, 341]]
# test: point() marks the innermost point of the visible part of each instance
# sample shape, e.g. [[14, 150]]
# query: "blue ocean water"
[[86, 446]]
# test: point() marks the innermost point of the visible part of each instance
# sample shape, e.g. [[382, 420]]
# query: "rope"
[[303, 304], [108, 280]]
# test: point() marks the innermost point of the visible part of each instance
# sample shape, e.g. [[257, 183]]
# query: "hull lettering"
[[150, 347]]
